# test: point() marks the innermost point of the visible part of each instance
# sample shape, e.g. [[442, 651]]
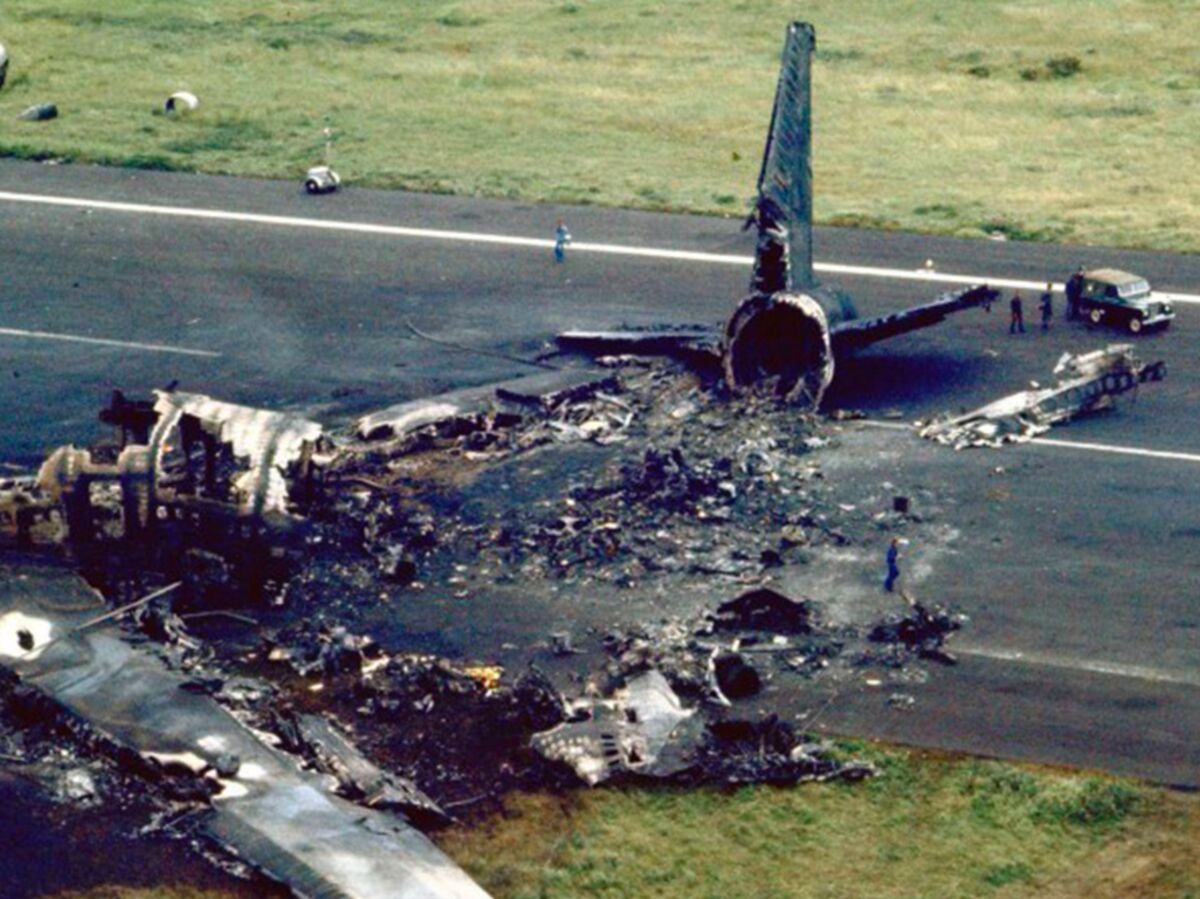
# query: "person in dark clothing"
[[1017, 319], [1074, 290], [1046, 305], [562, 237], [893, 565]]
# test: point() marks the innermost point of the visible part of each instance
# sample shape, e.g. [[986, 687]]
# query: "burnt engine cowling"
[[783, 339]]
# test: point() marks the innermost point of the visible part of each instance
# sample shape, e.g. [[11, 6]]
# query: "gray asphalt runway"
[[1076, 567]]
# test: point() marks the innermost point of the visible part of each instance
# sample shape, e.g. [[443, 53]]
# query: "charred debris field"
[[615, 576]]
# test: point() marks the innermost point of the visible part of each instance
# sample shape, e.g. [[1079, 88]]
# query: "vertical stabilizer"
[[783, 212]]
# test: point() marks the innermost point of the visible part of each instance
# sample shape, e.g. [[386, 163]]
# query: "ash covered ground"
[[526, 571], [592, 541]]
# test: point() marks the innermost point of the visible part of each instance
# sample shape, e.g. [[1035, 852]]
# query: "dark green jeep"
[[1114, 297]]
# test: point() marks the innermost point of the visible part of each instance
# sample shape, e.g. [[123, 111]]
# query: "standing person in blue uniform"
[[562, 237], [893, 565]]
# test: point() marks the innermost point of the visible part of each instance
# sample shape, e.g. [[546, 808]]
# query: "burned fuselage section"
[[781, 331], [191, 474], [789, 332]]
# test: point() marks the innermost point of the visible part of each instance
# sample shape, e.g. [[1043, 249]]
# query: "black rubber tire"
[[312, 187], [1135, 325], [1096, 316]]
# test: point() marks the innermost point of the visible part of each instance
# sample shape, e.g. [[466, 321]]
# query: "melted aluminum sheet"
[[269, 813]]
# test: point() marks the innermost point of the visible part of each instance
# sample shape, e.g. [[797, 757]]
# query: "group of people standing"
[[1016, 324], [1074, 287]]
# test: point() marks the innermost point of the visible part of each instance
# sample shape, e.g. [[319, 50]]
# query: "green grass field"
[[1074, 120], [929, 827]]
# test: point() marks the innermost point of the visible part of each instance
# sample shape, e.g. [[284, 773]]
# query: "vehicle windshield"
[[1132, 289]]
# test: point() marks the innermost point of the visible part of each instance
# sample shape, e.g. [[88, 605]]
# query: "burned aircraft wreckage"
[[1088, 382], [232, 505], [790, 330], [189, 462]]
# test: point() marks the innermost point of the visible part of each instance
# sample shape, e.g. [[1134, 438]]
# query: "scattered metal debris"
[[627, 733], [643, 730], [923, 630], [39, 112], [768, 751], [321, 179], [181, 101], [1087, 383], [271, 814], [671, 481]]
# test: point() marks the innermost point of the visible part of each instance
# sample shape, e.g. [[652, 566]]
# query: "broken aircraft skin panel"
[[790, 331], [269, 813], [1088, 382], [627, 733], [544, 391], [200, 455], [270, 442]]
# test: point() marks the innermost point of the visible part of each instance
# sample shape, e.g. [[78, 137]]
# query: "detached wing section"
[[847, 336]]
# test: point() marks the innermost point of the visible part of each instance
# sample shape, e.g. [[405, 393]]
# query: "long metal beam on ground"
[[271, 814]]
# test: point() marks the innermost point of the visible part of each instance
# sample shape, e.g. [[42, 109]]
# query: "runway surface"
[[1076, 562]]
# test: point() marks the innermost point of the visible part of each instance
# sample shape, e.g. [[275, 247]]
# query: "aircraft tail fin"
[[783, 211]]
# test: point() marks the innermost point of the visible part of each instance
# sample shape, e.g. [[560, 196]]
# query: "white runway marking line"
[[831, 268], [1065, 444], [1119, 450], [1113, 669], [101, 341]]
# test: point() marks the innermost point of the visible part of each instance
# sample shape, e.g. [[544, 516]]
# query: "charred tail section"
[[783, 340], [783, 211], [781, 334]]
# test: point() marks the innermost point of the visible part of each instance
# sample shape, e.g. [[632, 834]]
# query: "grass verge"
[[929, 826], [1035, 119]]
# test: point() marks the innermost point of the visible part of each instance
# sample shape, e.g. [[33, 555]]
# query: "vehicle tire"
[[312, 187], [1135, 325], [1096, 316]]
